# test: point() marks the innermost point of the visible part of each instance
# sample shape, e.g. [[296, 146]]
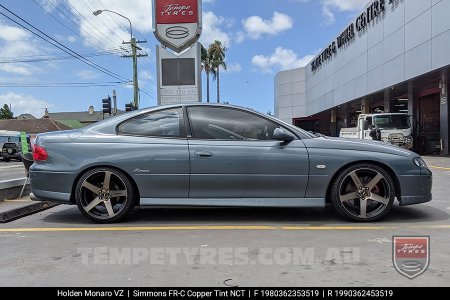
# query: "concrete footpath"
[[11, 210]]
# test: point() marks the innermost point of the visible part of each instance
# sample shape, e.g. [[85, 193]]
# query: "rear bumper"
[[59, 198], [416, 189], [7, 155], [51, 186]]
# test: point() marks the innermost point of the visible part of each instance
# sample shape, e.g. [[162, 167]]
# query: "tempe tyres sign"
[[177, 23]]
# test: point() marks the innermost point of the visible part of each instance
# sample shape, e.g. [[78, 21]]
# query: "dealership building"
[[393, 57]]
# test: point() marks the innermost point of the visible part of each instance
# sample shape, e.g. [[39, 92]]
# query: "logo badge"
[[177, 23], [411, 255]]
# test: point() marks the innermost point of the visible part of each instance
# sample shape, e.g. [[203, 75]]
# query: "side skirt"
[[236, 202]]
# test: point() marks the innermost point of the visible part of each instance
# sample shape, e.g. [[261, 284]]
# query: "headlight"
[[418, 161]]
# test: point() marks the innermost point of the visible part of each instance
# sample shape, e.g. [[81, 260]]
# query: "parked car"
[[11, 145], [220, 155]]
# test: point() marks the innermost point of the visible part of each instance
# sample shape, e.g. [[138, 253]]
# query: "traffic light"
[[107, 109], [129, 107]]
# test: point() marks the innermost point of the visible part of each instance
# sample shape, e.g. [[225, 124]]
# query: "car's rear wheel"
[[104, 195], [363, 192]]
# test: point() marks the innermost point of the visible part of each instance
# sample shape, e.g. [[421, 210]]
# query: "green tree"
[[206, 63], [5, 112], [217, 53]]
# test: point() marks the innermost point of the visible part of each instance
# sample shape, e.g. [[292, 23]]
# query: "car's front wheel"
[[363, 192], [104, 195]]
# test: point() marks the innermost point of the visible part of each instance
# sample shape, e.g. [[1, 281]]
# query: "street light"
[[134, 54], [98, 12]]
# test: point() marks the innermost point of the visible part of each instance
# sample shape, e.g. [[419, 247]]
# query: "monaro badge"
[[411, 255], [177, 24]]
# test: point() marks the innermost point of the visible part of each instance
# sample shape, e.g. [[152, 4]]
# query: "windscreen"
[[392, 122]]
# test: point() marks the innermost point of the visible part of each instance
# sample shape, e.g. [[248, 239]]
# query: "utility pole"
[[134, 47], [114, 103]]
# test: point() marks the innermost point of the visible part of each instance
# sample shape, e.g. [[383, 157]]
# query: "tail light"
[[39, 153]]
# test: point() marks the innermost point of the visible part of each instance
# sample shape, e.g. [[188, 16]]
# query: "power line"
[[148, 93], [56, 18], [47, 59], [62, 84], [111, 16], [60, 46], [101, 20], [50, 55], [86, 19], [55, 6]]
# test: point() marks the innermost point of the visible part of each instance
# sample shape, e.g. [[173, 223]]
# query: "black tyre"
[[104, 195], [363, 193]]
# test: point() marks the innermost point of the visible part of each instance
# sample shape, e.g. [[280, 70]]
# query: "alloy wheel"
[[365, 193], [103, 195]]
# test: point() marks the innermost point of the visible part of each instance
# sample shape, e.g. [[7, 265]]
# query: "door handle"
[[203, 154]]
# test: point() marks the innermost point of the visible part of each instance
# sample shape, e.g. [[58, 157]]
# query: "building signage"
[[177, 23], [373, 11], [179, 76]]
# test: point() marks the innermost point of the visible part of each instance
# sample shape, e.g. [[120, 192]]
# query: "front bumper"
[[416, 189]]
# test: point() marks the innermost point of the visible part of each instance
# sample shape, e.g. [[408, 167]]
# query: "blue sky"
[[263, 37]]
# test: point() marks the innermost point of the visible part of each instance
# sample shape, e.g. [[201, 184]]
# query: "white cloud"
[[233, 68], [109, 30], [255, 27], [63, 38], [22, 104], [15, 43], [71, 39], [239, 37], [212, 30], [329, 7], [88, 74], [145, 75], [282, 59], [11, 34], [49, 5]]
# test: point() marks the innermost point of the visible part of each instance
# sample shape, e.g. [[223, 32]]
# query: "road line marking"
[[11, 167], [440, 168], [224, 228]]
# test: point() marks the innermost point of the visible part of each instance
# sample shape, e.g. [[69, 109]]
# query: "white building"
[[394, 56]]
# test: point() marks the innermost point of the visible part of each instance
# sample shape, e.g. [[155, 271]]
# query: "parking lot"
[[224, 247]]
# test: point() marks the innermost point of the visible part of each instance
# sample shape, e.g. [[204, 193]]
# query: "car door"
[[233, 155], [156, 153]]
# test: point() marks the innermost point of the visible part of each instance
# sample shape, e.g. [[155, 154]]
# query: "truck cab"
[[394, 128]]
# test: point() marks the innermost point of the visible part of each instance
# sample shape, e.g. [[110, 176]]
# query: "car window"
[[166, 123], [218, 123]]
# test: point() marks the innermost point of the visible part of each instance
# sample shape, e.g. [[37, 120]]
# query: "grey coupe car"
[[220, 155]]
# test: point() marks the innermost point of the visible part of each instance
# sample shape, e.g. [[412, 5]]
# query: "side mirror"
[[281, 135], [365, 124]]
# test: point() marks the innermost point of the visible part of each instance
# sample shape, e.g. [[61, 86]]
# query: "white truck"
[[394, 128]]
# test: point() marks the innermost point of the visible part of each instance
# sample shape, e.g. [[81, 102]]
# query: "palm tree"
[[206, 63], [217, 52]]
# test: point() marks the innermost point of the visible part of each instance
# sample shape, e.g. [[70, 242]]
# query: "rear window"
[[166, 123]]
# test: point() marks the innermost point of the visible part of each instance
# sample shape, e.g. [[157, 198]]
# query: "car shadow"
[[251, 216]]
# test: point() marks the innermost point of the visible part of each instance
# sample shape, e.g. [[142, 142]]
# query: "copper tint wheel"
[[363, 192], [104, 195]]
